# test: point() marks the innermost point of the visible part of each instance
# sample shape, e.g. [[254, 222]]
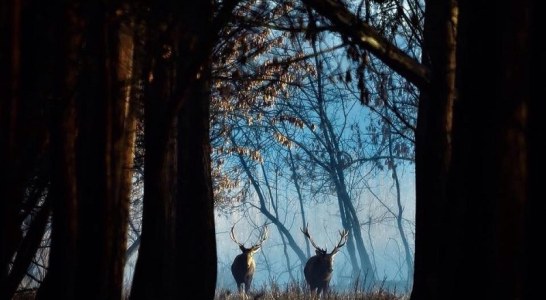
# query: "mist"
[[382, 239]]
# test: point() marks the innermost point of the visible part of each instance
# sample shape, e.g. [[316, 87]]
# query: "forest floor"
[[297, 292]]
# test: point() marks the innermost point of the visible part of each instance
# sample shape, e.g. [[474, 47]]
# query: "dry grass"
[[293, 291], [300, 291]]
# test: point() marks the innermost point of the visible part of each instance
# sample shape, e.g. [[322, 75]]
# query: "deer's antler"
[[308, 235], [344, 234]]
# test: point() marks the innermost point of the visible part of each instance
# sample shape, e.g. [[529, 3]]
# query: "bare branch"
[[364, 35]]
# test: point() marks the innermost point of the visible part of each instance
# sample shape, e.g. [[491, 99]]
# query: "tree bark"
[[102, 145], [433, 148], [536, 205], [195, 229], [10, 185], [153, 275], [62, 51], [486, 218]]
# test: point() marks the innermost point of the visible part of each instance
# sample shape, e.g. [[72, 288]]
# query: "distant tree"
[[326, 150]]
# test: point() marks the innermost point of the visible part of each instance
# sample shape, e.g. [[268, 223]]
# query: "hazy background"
[[382, 239]]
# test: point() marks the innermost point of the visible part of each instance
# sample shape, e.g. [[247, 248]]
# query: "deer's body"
[[243, 265], [243, 269], [318, 272], [318, 269]]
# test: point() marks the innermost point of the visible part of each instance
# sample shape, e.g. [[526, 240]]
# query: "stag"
[[243, 265], [318, 269]]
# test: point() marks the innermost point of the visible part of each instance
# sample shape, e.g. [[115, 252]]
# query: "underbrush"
[[292, 291], [295, 291]]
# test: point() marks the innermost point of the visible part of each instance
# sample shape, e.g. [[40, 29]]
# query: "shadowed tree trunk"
[[88, 148], [62, 51], [154, 268], [102, 146], [196, 260], [536, 149], [433, 147], [486, 218], [10, 193], [23, 128], [178, 200]]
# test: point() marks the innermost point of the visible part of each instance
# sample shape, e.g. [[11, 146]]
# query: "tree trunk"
[[488, 184], [433, 148], [10, 189], [399, 216], [62, 49], [102, 145], [195, 228], [195, 235], [536, 206], [153, 275]]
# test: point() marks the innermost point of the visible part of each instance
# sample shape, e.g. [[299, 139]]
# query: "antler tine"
[[344, 234], [232, 235], [263, 237], [308, 235]]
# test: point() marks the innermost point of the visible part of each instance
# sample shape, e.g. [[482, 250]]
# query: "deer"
[[318, 268], [244, 265]]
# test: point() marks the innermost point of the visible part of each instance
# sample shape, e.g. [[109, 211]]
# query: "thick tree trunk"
[[433, 148], [10, 190], [536, 206], [488, 185], [103, 210], [93, 158], [154, 271], [62, 49], [195, 229]]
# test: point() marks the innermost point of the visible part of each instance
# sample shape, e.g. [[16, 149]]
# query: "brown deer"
[[318, 269], [243, 265]]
